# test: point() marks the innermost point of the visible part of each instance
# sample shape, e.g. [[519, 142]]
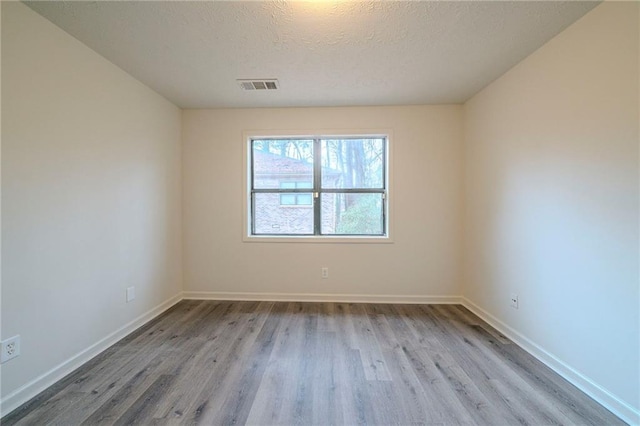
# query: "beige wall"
[[90, 198], [423, 260], [552, 192]]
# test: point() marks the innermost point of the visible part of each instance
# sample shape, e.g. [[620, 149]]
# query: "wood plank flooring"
[[272, 363]]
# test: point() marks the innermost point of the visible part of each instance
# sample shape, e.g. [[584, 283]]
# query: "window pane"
[[352, 214], [296, 199], [353, 163], [288, 199], [278, 161], [304, 200], [270, 217]]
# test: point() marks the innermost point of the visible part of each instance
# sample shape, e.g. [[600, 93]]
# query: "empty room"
[[322, 212]]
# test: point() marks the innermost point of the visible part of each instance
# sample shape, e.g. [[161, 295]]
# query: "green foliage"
[[362, 217]]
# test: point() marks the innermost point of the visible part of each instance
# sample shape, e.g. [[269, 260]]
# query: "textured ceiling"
[[323, 53]]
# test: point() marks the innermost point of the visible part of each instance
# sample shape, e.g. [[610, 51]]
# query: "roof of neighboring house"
[[275, 164]]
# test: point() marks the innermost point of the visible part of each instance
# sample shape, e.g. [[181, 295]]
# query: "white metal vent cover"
[[265, 84]]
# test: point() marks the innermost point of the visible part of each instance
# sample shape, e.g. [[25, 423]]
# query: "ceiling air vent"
[[270, 84]]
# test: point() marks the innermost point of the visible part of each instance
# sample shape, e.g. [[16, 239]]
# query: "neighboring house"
[[292, 213]]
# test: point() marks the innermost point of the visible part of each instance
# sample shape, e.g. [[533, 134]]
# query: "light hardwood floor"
[[269, 363]]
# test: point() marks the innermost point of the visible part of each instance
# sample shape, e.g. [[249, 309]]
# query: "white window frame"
[[248, 136]]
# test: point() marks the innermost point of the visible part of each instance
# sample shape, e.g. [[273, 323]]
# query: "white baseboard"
[[322, 297], [618, 407], [33, 388]]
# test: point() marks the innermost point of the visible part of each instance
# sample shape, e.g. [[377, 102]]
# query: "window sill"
[[318, 240]]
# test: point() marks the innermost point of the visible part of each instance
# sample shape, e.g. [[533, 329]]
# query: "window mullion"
[[252, 188], [317, 182]]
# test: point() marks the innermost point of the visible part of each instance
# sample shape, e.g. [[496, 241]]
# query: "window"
[[296, 199], [321, 186]]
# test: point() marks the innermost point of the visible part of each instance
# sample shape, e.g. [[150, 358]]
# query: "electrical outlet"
[[514, 301], [131, 294], [10, 349], [325, 272]]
